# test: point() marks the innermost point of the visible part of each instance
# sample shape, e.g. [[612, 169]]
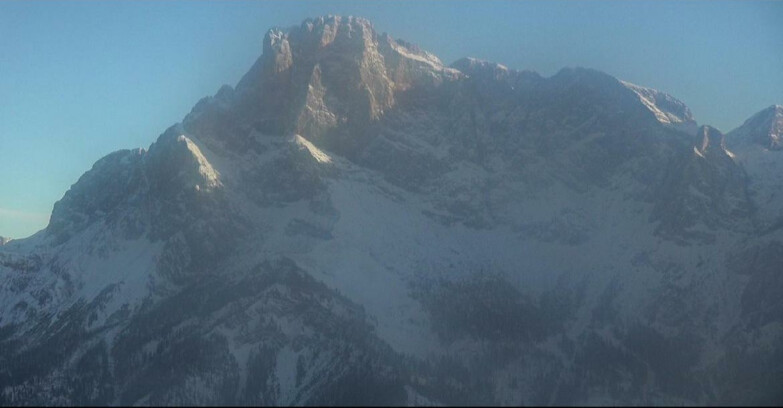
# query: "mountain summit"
[[329, 71], [667, 109], [357, 223], [765, 128]]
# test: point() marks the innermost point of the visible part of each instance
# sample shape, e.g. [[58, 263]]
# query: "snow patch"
[[317, 153], [428, 59], [205, 169]]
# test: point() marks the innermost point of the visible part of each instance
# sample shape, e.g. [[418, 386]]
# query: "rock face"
[[357, 223], [704, 188]]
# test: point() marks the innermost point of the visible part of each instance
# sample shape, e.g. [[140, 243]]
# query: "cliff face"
[[357, 223]]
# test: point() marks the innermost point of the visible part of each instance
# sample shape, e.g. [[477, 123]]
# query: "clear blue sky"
[[81, 79]]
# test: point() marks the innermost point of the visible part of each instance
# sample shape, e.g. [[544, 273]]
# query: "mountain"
[[756, 145], [357, 223], [764, 129]]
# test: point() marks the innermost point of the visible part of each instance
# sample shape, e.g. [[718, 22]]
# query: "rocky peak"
[[175, 163], [666, 108], [4, 240], [765, 128], [348, 33], [277, 52], [327, 80], [331, 79], [281, 47], [709, 141], [173, 171]]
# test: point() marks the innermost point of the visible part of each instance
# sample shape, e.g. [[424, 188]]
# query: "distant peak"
[[333, 20], [470, 63], [4, 240], [492, 71], [477, 68], [768, 113], [764, 128], [666, 108], [777, 110]]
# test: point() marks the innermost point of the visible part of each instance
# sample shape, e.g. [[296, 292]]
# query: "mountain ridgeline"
[[357, 223]]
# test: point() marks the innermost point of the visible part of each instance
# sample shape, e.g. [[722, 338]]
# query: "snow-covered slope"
[[357, 223], [666, 108]]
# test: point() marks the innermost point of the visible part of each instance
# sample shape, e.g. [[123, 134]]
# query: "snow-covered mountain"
[[357, 223], [764, 129]]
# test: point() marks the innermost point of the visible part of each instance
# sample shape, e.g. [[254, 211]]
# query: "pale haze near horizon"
[[79, 80]]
